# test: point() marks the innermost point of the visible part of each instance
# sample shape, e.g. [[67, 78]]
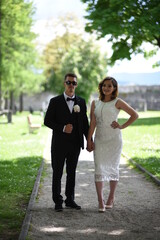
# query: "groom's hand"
[[68, 128]]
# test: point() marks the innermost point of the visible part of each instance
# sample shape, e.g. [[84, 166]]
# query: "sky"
[[48, 10]]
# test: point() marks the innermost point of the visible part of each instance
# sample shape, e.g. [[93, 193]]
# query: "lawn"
[[21, 155], [142, 140]]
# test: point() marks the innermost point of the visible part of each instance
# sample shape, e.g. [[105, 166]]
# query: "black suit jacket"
[[58, 115]]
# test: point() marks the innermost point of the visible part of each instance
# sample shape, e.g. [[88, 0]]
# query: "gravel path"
[[135, 216]]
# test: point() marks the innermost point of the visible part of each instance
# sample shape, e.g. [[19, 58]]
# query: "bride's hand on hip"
[[115, 125]]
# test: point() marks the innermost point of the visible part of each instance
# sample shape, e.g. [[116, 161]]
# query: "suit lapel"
[[77, 102], [65, 104]]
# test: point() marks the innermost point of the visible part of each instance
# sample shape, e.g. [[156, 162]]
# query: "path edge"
[[154, 178], [28, 215]]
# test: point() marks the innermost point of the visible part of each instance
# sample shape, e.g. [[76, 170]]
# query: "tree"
[[72, 52], [128, 23], [89, 65], [52, 57], [81, 57], [18, 55]]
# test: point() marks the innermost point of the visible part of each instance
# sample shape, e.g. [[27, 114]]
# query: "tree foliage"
[[129, 23], [70, 52], [89, 65], [18, 54]]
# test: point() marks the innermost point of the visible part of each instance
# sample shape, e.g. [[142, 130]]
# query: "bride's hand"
[[90, 146], [115, 125]]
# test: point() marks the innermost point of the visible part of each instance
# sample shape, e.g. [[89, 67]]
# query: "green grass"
[[21, 155], [142, 140]]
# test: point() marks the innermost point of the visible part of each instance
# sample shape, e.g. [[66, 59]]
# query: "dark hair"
[[115, 85], [70, 75]]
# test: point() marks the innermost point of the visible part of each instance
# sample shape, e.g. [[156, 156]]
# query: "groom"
[[66, 116]]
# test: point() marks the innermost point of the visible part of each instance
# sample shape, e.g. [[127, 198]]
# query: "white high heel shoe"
[[102, 210], [109, 206]]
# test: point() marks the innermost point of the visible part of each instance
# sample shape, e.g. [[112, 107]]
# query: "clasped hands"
[[90, 145]]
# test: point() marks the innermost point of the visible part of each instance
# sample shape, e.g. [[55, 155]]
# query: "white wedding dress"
[[108, 142]]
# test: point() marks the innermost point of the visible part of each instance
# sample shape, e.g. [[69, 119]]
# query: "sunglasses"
[[70, 82]]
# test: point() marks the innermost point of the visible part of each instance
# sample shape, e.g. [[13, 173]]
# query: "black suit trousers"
[[67, 155]]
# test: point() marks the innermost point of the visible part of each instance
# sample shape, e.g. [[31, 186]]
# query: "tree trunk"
[[6, 103], [11, 107], [21, 103]]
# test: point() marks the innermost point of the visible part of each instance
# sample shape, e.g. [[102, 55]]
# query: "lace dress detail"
[[108, 142]]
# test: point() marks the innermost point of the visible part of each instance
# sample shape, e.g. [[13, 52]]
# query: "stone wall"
[[141, 98], [37, 102]]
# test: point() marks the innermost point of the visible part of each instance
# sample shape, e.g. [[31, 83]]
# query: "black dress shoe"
[[58, 207], [72, 205]]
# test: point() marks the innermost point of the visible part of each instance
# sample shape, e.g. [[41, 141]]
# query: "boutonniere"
[[76, 108]]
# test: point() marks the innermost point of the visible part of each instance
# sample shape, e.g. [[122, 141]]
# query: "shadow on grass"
[[20, 162], [17, 179], [152, 160], [151, 164], [143, 121]]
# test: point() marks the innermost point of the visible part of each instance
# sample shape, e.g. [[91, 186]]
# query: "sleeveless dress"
[[108, 142]]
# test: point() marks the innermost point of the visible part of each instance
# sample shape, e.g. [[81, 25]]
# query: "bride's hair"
[[115, 85]]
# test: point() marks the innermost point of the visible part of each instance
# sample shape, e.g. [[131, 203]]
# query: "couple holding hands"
[[67, 117]]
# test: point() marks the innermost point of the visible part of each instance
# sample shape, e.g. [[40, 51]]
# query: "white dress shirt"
[[69, 103]]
